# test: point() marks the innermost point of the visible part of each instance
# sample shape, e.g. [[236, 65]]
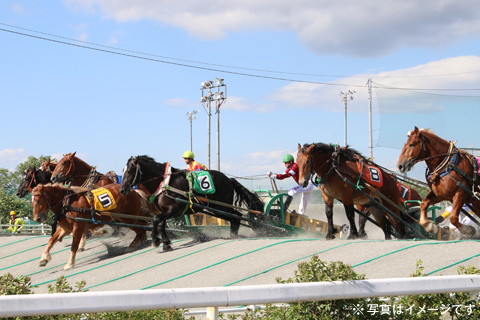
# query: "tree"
[[9, 182]]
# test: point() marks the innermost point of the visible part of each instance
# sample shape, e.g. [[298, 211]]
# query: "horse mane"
[[151, 160], [348, 153]]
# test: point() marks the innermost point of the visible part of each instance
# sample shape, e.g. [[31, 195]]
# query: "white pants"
[[306, 193]]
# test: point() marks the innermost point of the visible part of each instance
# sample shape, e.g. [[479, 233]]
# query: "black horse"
[[31, 179], [146, 171]]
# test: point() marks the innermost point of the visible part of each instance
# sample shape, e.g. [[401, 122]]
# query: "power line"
[[176, 63], [135, 54]]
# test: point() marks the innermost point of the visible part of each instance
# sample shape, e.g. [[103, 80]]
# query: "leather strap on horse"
[[443, 167], [92, 178]]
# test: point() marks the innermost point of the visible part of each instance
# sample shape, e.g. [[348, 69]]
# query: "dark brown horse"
[[444, 183], [53, 197], [73, 170], [31, 179], [175, 196], [334, 165]]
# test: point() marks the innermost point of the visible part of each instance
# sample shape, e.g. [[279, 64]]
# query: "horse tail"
[[246, 197]]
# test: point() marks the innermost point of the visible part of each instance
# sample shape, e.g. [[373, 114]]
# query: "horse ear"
[[299, 147], [73, 155]]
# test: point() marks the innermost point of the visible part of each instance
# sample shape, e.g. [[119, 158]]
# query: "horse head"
[[305, 164], [46, 197], [131, 175], [48, 165], [413, 151], [63, 169], [27, 183], [40, 204]]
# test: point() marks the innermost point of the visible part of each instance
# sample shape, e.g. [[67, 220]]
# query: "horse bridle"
[[32, 179], [138, 173], [312, 170], [422, 147]]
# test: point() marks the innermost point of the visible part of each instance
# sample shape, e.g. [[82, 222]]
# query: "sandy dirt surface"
[[221, 261]]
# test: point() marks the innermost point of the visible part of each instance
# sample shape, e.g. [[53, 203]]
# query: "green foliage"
[[314, 271], [22, 285], [62, 286], [9, 182], [437, 306], [12, 286], [9, 202]]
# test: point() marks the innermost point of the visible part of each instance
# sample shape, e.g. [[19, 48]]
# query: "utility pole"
[[370, 141], [191, 116], [219, 97], [346, 95]]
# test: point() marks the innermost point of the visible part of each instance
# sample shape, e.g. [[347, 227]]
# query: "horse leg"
[[46, 257], [155, 238], [81, 246], [427, 224], [167, 244], [382, 221], [362, 220], [235, 226], [351, 219], [331, 230], [78, 233], [139, 239]]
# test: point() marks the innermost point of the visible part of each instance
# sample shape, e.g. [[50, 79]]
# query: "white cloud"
[[355, 28], [439, 73], [242, 104], [18, 9], [9, 158]]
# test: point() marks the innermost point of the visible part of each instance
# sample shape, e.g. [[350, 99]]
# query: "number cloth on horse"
[[103, 199], [202, 182], [370, 174]]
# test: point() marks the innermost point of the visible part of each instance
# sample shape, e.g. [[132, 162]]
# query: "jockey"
[[292, 171], [192, 165], [16, 224]]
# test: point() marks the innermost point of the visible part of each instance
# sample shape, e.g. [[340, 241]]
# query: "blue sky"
[[285, 63]]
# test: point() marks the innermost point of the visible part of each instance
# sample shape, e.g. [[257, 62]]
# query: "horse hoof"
[[330, 237], [167, 248], [68, 267], [156, 243], [430, 227], [43, 263]]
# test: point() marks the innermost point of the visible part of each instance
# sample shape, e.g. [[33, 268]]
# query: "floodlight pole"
[[346, 95], [219, 97], [369, 84], [191, 116]]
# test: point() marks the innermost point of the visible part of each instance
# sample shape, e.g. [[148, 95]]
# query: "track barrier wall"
[[213, 297]]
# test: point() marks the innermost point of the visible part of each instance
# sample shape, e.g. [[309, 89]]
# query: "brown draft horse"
[[407, 194], [52, 197], [332, 164], [73, 170], [444, 183]]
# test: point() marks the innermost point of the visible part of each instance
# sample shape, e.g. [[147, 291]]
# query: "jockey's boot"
[[287, 203]]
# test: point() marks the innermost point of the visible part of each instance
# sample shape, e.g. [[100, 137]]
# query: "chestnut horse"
[[145, 170], [445, 183], [76, 172], [332, 165], [53, 197], [407, 193]]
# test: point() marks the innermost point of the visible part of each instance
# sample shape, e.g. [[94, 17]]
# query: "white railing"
[[214, 297], [29, 228]]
